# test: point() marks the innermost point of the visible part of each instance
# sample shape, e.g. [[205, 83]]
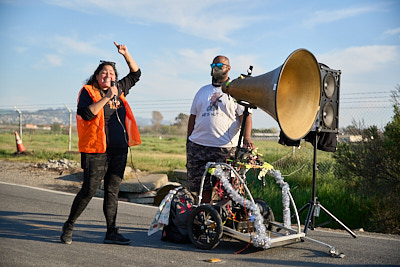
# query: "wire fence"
[[365, 109], [356, 112]]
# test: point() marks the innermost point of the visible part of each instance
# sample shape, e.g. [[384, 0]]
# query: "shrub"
[[372, 169]]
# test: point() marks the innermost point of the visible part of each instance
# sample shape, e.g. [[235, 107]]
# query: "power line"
[[361, 102], [367, 107], [364, 93], [366, 97]]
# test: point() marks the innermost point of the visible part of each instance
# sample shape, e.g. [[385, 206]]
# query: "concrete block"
[[144, 184], [181, 174]]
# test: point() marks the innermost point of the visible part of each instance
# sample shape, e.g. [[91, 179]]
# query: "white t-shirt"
[[217, 121]]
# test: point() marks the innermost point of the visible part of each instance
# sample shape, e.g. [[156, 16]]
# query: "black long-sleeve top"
[[115, 132]]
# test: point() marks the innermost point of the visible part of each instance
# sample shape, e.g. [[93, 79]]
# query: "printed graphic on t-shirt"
[[114, 105], [215, 99]]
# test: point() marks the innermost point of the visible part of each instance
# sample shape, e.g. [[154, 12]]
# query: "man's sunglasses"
[[107, 62], [218, 65]]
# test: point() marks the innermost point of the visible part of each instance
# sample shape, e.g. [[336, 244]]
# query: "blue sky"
[[50, 47]]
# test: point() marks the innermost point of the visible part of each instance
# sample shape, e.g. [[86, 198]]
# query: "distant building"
[[350, 138], [31, 126]]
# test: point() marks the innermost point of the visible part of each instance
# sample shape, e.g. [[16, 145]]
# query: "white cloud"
[[198, 60], [71, 44], [53, 60], [197, 18], [56, 48], [365, 69], [49, 60], [392, 32], [176, 75], [329, 16], [359, 60]]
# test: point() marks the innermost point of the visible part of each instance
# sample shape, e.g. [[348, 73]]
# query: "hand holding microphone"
[[115, 96]]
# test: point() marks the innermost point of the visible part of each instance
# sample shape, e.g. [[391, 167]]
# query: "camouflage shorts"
[[197, 157]]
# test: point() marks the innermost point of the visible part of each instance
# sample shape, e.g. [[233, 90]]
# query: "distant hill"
[[49, 116]]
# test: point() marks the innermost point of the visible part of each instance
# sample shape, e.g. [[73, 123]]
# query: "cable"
[[130, 150], [123, 128], [133, 167]]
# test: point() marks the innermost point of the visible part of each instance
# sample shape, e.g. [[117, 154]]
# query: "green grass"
[[164, 155], [153, 155], [39, 147], [159, 155], [332, 193]]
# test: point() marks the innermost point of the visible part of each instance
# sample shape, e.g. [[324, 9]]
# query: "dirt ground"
[[66, 180]]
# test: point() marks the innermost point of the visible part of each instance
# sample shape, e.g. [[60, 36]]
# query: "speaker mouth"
[[298, 94], [328, 115]]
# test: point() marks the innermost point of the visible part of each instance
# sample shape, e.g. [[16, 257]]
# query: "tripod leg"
[[303, 208], [337, 220], [310, 214]]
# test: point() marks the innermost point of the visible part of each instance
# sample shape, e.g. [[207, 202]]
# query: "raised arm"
[[123, 50]]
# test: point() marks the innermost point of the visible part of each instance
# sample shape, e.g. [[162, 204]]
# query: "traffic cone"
[[20, 145]]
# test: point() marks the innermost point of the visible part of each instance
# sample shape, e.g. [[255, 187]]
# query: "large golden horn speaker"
[[290, 93]]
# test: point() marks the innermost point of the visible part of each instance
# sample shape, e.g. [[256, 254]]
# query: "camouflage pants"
[[197, 156], [97, 166]]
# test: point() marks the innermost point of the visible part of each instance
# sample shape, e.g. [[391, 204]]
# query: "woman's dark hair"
[[92, 80]]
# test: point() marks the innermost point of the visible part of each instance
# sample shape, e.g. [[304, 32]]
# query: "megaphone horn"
[[290, 94]]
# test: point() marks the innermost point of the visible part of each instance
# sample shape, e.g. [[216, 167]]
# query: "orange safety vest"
[[92, 134]]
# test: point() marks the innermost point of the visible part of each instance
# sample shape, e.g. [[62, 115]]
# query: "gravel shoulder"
[[60, 179]]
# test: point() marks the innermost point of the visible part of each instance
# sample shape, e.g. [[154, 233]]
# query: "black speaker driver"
[[329, 85], [328, 115]]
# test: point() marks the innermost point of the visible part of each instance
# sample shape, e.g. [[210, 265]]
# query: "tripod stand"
[[314, 205], [246, 113]]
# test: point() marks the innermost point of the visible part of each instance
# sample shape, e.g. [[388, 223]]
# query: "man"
[[213, 128]]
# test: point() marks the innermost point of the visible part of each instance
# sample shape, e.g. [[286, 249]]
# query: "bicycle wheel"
[[266, 212], [205, 227]]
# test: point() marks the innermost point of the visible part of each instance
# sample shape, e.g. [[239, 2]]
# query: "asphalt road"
[[31, 221]]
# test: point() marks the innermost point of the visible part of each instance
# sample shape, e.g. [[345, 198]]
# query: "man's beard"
[[218, 76]]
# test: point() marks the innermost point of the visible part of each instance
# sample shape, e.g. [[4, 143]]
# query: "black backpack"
[[181, 207]]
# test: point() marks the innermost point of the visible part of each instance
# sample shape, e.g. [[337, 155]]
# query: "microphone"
[[115, 97]]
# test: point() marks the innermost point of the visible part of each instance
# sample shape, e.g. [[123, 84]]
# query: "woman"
[[106, 128]]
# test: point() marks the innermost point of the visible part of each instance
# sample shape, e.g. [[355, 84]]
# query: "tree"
[[157, 118], [356, 128], [181, 120], [372, 169], [56, 127], [181, 123], [392, 129]]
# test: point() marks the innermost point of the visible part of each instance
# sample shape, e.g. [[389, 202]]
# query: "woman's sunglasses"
[[107, 62]]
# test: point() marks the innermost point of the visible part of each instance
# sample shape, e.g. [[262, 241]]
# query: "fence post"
[[20, 121], [70, 128]]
